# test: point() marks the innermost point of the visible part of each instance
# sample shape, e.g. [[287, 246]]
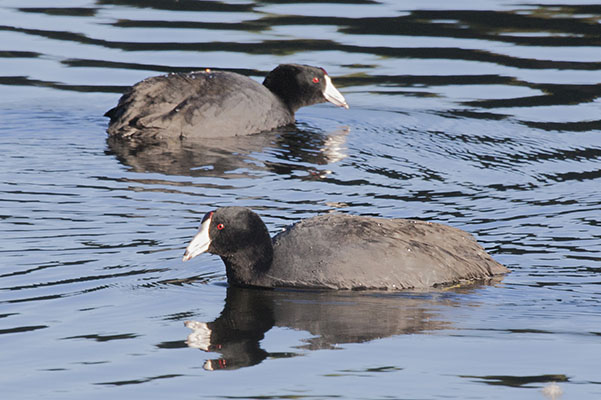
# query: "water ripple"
[[486, 119]]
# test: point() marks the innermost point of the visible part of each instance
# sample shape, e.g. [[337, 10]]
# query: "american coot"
[[209, 103], [338, 251]]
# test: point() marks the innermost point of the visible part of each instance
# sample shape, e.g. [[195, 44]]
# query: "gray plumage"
[[341, 251], [198, 104]]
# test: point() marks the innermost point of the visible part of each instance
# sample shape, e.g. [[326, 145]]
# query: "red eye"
[[315, 79], [220, 226]]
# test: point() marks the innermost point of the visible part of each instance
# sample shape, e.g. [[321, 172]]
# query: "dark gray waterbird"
[[338, 251], [213, 104]]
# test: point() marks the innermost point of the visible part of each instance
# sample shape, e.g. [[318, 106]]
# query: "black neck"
[[283, 92], [248, 266]]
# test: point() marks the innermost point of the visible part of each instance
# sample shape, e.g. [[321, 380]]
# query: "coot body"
[[338, 251], [213, 104]]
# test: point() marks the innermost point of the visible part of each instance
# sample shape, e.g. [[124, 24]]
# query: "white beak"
[[333, 95], [200, 242]]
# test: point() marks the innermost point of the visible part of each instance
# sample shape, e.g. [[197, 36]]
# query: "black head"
[[239, 237], [302, 85]]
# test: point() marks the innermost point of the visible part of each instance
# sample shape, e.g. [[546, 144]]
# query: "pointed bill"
[[333, 95], [200, 242]]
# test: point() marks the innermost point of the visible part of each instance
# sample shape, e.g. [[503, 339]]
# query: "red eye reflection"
[[220, 226], [315, 79]]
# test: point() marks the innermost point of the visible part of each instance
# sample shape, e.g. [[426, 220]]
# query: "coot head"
[[239, 237], [303, 85]]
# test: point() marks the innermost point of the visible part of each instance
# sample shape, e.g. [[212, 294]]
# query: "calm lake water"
[[482, 115]]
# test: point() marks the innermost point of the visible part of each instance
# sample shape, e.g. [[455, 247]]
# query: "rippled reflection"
[[331, 318], [483, 116], [236, 156], [477, 40]]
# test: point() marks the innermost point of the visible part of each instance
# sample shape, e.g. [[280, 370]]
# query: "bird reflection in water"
[[283, 151], [331, 317]]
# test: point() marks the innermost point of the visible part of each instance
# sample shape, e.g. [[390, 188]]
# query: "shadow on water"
[[517, 381], [332, 318], [293, 148]]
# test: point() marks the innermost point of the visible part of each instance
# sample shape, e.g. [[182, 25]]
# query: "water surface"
[[482, 116]]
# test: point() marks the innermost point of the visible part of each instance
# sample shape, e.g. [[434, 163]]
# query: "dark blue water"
[[481, 116]]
